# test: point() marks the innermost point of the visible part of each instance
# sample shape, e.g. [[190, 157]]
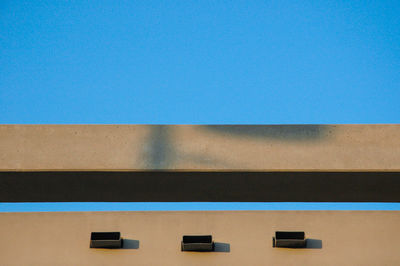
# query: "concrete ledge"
[[200, 147]]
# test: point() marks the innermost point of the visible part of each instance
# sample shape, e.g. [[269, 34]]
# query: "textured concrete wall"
[[244, 238], [201, 147]]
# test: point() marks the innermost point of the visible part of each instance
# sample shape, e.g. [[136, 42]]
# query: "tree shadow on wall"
[[281, 132]]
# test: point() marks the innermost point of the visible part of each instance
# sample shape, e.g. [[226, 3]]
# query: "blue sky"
[[199, 62]]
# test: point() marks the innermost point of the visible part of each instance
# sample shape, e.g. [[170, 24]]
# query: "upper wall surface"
[[200, 147]]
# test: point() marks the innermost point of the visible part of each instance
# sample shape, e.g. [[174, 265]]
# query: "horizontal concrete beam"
[[200, 147], [167, 186], [242, 238]]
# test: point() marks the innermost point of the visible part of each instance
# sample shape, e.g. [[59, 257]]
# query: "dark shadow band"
[[169, 186]]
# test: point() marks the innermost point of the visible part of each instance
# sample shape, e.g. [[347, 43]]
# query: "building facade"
[[297, 163]]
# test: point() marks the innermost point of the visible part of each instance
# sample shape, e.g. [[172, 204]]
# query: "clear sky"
[[199, 62]]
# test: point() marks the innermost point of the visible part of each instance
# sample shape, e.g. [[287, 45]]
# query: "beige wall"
[[201, 147], [348, 238]]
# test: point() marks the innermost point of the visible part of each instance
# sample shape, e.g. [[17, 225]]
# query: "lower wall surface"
[[242, 238]]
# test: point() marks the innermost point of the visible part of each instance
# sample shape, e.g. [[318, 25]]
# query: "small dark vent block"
[[288, 239], [105, 240], [197, 243]]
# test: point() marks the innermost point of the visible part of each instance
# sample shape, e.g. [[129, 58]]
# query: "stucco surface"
[[199, 147], [153, 238]]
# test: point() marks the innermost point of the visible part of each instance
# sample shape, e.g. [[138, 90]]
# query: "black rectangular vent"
[[197, 243], [287, 239], [105, 240]]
